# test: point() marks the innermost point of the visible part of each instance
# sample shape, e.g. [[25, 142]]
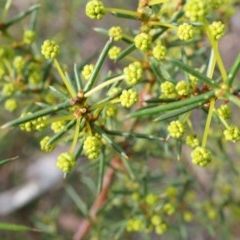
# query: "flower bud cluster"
[[95, 9], [217, 29], [66, 162], [57, 126], [36, 124], [116, 33], [50, 49], [11, 104], [168, 90], [133, 73], [185, 32], [196, 10], [159, 52], [143, 41], [114, 52], [87, 71], [201, 156], [92, 146], [224, 111], [29, 37], [45, 146], [232, 134], [128, 98], [176, 129]]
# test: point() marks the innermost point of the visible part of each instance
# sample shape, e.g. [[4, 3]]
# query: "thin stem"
[[208, 122], [214, 44], [62, 75], [167, 25], [123, 11], [6, 8], [103, 85], [76, 134]]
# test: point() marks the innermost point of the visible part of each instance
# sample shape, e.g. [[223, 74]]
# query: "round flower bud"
[[187, 216], [66, 162], [134, 225], [29, 36], [18, 63], [40, 123], [169, 209], [161, 228], [176, 129], [8, 89], [185, 32], [224, 111], [87, 71], [159, 52], [95, 9], [215, 4], [156, 220], [10, 105], [196, 10], [232, 134], [115, 33], [91, 147], [34, 78], [182, 88], [57, 126], [143, 41], [168, 90], [128, 98], [27, 126], [133, 73], [113, 91], [114, 52], [111, 111], [192, 141], [50, 49], [217, 29], [201, 156], [151, 199], [46, 147]]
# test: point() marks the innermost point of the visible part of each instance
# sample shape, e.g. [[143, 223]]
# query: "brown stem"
[[101, 199]]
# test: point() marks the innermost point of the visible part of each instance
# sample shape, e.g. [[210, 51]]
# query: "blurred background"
[[54, 210]]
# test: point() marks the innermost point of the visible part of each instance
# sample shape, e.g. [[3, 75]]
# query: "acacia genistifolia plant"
[[152, 129]]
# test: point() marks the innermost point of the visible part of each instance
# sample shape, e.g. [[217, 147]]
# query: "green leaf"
[[233, 71], [38, 114], [62, 132], [148, 111], [195, 73], [77, 78], [78, 201], [20, 16], [15, 227], [5, 161], [126, 52], [98, 66], [101, 172]]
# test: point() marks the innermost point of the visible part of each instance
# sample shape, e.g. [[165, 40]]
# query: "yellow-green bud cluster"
[[114, 52], [224, 111], [143, 41], [201, 156], [57, 126], [29, 36], [113, 91], [196, 10], [168, 208], [185, 32], [182, 88], [128, 98], [92, 146], [161, 228], [159, 52], [133, 73], [115, 32], [95, 9], [87, 71], [187, 216], [111, 111], [36, 124], [10, 104], [18, 63], [50, 49], [34, 78], [151, 199], [232, 134], [45, 146], [8, 89], [135, 225], [168, 90], [192, 141], [176, 129], [216, 3], [217, 29], [66, 162]]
